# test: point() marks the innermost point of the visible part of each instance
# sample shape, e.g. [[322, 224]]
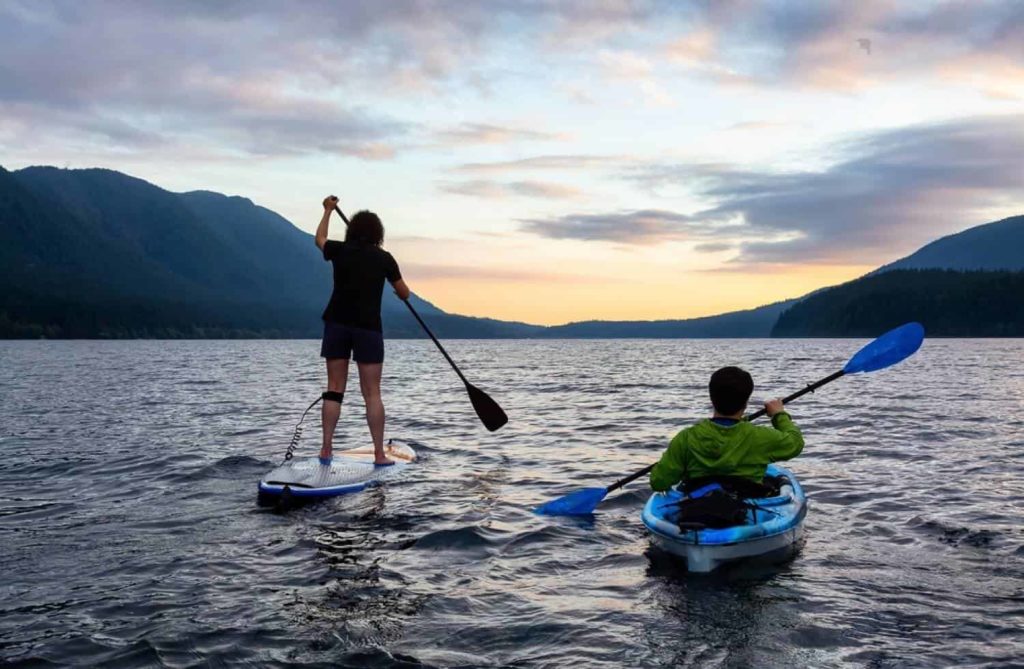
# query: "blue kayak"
[[774, 526]]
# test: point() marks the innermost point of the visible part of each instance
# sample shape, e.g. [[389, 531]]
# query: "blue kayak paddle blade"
[[580, 503], [890, 348]]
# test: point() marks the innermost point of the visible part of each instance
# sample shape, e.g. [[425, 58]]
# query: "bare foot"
[[380, 460]]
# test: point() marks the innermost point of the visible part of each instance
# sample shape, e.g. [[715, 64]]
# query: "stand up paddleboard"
[[351, 471]]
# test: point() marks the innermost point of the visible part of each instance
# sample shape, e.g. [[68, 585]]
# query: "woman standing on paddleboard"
[[352, 325]]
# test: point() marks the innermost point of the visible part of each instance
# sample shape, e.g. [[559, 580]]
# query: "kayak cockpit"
[[764, 524]]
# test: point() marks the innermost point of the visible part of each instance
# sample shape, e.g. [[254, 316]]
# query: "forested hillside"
[[97, 253], [949, 304], [747, 323], [992, 246]]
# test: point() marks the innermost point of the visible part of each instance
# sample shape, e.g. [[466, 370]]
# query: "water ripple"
[[131, 536]]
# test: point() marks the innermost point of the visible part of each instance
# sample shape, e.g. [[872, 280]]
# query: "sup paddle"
[[491, 415], [887, 350]]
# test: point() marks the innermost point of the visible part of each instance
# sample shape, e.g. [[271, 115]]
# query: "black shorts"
[[345, 341]]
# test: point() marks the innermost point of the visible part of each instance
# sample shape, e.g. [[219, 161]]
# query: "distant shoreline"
[[403, 338]]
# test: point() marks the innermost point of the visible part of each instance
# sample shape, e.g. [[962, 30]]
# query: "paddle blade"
[[492, 415], [890, 348], [579, 503]]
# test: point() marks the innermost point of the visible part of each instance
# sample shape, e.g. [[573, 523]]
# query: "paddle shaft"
[[420, 320], [437, 343], [800, 393], [757, 414]]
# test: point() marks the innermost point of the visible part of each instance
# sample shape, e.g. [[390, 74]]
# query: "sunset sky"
[[551, 161]]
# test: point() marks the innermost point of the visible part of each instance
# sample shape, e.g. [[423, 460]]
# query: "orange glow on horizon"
[[547, 301]]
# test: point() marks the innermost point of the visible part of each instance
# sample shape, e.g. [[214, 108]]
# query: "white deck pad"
[[351, 471]]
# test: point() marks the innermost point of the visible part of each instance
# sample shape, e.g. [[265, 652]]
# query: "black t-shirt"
[[359, 273]]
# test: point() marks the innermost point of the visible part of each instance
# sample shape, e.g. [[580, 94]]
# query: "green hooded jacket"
[[710, 449]]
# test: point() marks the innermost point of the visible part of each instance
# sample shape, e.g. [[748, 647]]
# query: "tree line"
[[948, 303]]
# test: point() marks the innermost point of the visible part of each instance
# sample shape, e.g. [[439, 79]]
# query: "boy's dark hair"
[[730, 389], [365, 228]]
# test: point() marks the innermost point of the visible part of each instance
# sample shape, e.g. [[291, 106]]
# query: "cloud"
[[487, 189], [816, 44], [893, 191], [714, 247], [554, 162], [644, 227], [638, 70], [542, 189], [244, 84], [227, 128], [696, 47], [251, 79], [743, 126], [481, 188], [901, 189], [264, 79], [625, 64], [485, 133]]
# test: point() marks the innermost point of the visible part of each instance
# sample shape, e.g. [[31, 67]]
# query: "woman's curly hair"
[[365, 228]]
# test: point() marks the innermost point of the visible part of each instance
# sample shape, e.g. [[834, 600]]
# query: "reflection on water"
[[131, 534]]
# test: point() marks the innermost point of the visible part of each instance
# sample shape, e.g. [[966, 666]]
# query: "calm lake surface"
[[130, 534]]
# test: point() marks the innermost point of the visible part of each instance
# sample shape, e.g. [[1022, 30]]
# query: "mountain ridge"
[[948, 302], [990, 246], [99, 244], [95, 246], [755, 322]]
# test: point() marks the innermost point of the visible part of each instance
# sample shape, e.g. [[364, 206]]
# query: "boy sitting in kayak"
[[725, 445]]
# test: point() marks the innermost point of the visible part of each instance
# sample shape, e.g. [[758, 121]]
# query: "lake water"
[[130, 534]]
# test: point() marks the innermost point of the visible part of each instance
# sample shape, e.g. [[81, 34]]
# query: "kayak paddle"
[[889, 349], [491, 415]]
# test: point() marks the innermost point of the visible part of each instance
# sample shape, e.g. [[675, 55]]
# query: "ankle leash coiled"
[[298, 431], [329, 395]]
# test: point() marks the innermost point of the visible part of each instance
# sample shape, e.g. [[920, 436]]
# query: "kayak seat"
[[715, 509], [770, 486]]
